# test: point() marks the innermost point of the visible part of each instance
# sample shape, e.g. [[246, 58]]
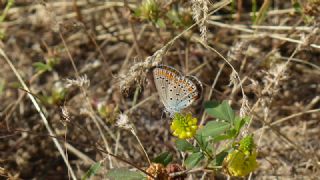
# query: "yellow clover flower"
[[243, 160], [247, 145], [184, 126]]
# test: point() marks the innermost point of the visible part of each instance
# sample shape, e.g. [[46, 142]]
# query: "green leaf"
[[184, 145], [174, 17], [164, 158], [214, 128], [297, 7], [219, 158], [160, 23], [124, 174], [201, 140], [194, 159], [92, 171], [2, 34], [233, 6], [2, 86], [239, 122], [221, 111], [42, 67], [137, 12], [222, 137]]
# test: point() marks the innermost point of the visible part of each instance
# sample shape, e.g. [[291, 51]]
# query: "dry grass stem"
[[43, 117]]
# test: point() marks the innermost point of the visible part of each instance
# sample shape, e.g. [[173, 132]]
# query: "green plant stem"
[[6, 10], [204, 150]]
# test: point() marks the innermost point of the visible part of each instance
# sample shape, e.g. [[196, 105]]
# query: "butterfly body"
[[176, 91]]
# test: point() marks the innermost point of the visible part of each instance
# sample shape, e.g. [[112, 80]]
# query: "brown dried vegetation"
[[101, 54]]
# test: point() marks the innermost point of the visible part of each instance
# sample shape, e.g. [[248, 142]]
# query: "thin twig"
[[91, 112], [219, 54], [211, 90], [288, 118], [135, 39], [276, 80], [144, 151], [274, 36]]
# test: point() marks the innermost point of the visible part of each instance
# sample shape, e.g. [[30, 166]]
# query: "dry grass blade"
[[43, 117], [254, 34]]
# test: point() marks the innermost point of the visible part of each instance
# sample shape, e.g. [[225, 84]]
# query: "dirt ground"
[[77, 59]]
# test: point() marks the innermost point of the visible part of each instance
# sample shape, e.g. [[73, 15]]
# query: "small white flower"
[[123, 122]]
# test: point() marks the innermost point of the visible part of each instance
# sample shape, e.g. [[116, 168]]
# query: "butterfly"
[[176, 91]]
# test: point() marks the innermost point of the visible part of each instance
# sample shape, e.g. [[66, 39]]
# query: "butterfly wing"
[[176, 91], [165, 78], [162, 80], [190, 89]]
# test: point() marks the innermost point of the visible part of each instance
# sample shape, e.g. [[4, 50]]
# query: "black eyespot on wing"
[[187, 80]]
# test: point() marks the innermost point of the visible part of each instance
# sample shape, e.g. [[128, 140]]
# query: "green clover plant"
[[216, 146]]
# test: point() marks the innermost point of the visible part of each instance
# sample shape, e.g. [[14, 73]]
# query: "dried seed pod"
[[176, 168], [158, 171]]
